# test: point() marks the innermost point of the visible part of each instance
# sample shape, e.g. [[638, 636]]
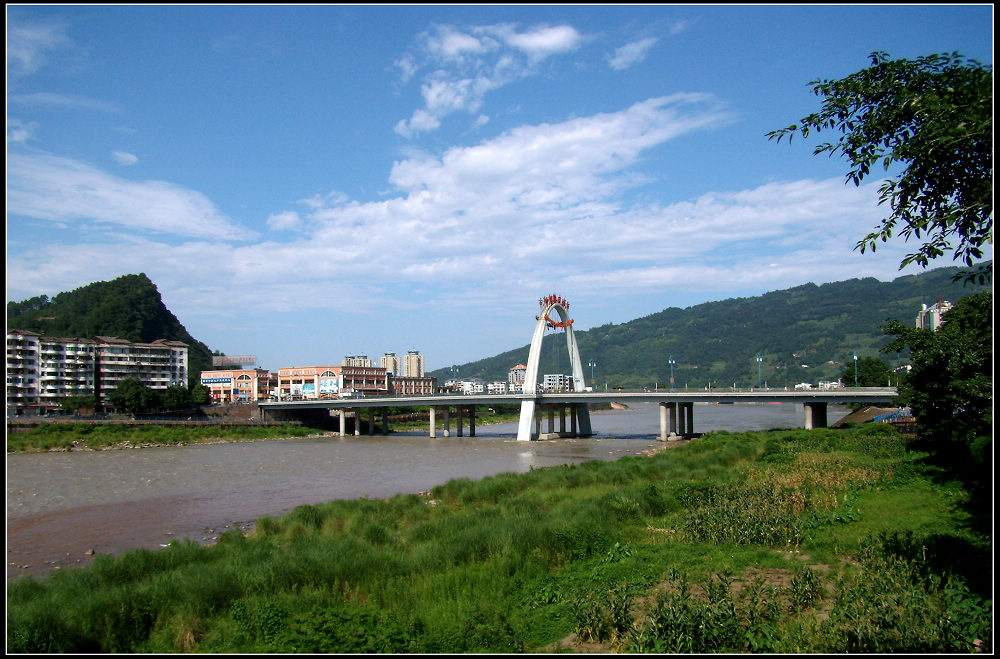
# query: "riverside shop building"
[[240, 385], [321, 382]]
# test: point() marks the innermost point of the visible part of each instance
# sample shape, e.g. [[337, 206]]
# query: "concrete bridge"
[[570, 409], [676, 409]]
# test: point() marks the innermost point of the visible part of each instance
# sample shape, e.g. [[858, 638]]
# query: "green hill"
[[128, 307], [804, 334]]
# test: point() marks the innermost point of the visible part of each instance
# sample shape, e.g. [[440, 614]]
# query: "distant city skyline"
[[307, 182]]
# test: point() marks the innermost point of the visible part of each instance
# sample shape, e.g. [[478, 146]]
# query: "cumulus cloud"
[[465, 64], [53, 188], [631, 53]]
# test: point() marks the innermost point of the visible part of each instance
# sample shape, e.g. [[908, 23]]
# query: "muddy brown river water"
[[63, 508]]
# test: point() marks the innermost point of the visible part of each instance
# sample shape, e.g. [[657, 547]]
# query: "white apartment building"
[[472, 386], [360, 361], [22, 369], [42, 371], [66, 367], [496, 388], [557, 382], [931, 317], [157, 365]]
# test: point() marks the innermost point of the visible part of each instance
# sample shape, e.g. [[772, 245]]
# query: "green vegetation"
[[932, 117], [128, 307], [950, 388], [871, 372], [67, 436], [804, 334], [791, 541]]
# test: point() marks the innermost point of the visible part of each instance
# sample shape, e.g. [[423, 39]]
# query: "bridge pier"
[[815, 415], [676, 420]]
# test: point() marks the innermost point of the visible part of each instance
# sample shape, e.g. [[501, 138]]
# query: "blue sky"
[[308, 182]]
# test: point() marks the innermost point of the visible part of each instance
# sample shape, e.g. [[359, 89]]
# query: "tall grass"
[[764, 542]]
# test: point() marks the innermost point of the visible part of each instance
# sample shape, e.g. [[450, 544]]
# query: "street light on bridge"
[[855, 370], [592, 364], [760, 379], [671, 362]]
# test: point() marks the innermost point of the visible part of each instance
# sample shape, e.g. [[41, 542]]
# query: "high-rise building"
[[413, 364], [931, 317], [392, 364], [360, 361]]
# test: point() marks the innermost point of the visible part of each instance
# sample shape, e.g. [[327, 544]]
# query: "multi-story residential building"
[[931, 317], [364, 380], [22, 370], [515, 378], [496, 388], [413, 364], [67, 368], [557, 382], [471, 386], [157, 365], [406, 386], [392, 364], [240, 385], [42, 371]]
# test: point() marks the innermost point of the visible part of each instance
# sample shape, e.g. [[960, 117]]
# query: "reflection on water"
[[109, 501]]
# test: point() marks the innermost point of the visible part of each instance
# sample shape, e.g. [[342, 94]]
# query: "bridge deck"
[[676, 406]]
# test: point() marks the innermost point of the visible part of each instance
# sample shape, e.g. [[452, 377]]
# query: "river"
[[65, 507]]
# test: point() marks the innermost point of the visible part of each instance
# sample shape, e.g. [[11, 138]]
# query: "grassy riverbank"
[[791, 541], [68, 436]]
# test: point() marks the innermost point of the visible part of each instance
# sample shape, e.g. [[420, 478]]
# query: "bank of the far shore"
[[69, 436], [228, 424]]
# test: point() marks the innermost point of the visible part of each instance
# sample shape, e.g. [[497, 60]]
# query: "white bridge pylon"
[[529, 426]]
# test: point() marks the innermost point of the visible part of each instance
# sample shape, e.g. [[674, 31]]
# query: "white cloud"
[[29, 46], [466, 64], [631, 53], [285, 220], [48, 187], [537, 207], [65, 101], [124, 157], [19, 131], [543, 41]]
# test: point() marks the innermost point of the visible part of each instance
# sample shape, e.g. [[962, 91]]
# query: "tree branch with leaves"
[[933, 116]]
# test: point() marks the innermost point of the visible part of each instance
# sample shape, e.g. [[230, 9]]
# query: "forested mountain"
[[803, 334], [128, 307]]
